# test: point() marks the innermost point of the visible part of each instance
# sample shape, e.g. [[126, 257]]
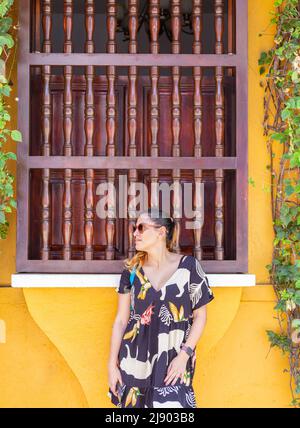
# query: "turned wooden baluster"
[[46, 128], [230, 24], [111, 23], [176, 118], [67, 125], [154, 99], [219, 126], [89, 132], [132, 118], [197, 72]]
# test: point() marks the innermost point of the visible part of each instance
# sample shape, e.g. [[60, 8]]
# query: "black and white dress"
[[159, 322]]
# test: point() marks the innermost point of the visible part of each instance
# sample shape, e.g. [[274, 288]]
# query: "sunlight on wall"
[[57, 340]]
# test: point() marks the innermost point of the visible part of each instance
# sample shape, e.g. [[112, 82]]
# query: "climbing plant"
[[280, 70], [8, 33]]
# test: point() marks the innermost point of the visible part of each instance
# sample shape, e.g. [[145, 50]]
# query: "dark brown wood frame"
[[26, 162]]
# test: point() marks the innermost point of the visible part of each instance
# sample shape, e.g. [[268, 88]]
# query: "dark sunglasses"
[[142, 227]]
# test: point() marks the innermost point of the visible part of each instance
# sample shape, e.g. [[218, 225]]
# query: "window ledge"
[[65, 280]]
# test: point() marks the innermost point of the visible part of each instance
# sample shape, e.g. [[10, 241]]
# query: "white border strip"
[[54, 280]]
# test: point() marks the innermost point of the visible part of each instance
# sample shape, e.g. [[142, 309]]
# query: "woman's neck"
[[157, 257]]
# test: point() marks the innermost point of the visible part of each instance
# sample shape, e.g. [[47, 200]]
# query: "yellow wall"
[[57, 340]]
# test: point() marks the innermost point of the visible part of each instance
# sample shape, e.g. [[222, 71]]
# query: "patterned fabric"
[[159, 322]]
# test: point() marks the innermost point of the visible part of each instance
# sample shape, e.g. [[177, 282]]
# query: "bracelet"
[[187, 349]]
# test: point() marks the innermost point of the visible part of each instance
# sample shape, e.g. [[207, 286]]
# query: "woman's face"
[[149, 236]]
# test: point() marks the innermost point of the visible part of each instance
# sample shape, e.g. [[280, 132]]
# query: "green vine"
[[7, 43], [281, 69]]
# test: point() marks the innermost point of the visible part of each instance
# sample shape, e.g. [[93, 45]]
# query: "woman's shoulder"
[[128, 274], [191, 262], [127, 270], [124, 283]]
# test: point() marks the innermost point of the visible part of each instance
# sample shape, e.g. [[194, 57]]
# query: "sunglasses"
[[142, 227]]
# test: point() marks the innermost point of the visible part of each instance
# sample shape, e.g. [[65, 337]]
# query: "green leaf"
[[295, 160], [262, 70], [16, 135], [279, 136], [297, 299], [2, 67], [5, 5], [296, 323], [285, 114], [262, 58], [251, 181], [281, 341], [7, 40], [5, 24], [295, 77], [6, 90], [2, 217], [280, 306], [289, 190], [13, 203], [11, 155], [293, 103]]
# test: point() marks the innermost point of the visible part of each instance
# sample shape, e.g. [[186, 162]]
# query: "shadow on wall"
[[33, 373]]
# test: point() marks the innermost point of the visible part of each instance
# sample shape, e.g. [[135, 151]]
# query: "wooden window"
[[165, 104]]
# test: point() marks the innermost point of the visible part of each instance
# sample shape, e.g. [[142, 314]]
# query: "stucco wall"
[[57, 340]]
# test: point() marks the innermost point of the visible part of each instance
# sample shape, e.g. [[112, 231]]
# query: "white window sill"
[[65, 280]]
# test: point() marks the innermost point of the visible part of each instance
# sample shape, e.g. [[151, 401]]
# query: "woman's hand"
[[177, 368], [114, 376]]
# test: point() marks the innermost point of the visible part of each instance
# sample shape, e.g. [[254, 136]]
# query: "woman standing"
[[161, 316]]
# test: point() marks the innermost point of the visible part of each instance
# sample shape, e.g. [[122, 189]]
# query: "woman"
[[161, 316]]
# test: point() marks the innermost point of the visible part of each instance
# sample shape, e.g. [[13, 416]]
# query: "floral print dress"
[[160, 320]]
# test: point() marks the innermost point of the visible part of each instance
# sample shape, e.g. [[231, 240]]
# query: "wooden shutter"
[[91, 113]]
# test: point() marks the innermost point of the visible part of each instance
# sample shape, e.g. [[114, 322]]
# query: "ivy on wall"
[[280, 69], [7, 47]]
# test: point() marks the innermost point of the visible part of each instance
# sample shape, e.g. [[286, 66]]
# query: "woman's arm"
[[200, 294], [178, 364], [119, 327], [199, 321]]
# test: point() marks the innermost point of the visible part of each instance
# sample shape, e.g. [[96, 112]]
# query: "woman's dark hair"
[[159, 218]]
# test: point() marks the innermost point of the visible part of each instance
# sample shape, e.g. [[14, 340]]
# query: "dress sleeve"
[[124, 284], [200, 291]]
